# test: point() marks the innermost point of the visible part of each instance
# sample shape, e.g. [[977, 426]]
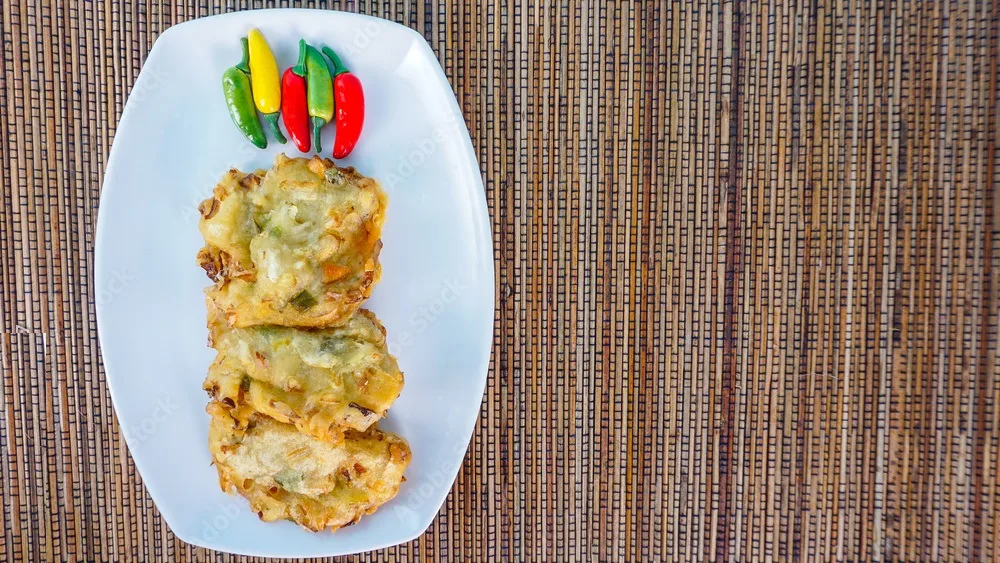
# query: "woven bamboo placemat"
[[747, 257]]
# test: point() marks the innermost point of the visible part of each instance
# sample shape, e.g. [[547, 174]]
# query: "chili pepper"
[[239, 99], [350, 104], [319, 92], [264, 79], [293, 102]]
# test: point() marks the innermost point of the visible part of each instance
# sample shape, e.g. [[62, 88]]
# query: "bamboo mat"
[[747, 256]]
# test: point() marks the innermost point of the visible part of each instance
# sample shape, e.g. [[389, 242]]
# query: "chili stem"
[[272, 120], [338, 67], [244, 65], [317, 123], [300, 66]]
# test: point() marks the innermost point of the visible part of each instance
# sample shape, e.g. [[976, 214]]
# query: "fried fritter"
[[323, 381], [296, 245], [288, 475]]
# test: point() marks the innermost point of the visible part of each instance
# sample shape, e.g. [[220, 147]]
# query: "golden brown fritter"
[[288, 475], [296, 245], [323, 381]]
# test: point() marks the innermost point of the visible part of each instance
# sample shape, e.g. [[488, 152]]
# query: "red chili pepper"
[[293, 103], [350, 106]]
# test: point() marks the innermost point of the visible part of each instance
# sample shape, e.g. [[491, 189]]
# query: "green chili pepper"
[[239, 99], [319, 92]]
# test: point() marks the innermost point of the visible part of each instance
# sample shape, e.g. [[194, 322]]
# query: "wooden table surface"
[[747, 262]]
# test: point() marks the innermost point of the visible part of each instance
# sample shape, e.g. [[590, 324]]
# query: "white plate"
[[436, 297]]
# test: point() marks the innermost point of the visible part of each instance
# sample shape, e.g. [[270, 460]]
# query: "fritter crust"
[[324, 381], [287, 475], [296, 245]]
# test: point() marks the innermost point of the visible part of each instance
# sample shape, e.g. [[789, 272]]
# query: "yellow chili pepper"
[[265, 81]]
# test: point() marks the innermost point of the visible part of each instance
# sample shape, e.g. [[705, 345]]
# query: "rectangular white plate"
[[436, 297]]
